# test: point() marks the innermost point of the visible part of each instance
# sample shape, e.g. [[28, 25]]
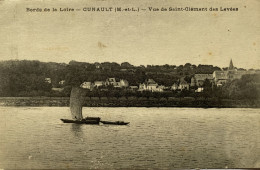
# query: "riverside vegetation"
[[27, 79]]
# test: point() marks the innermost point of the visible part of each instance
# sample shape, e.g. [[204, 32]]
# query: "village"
[[217, 78]]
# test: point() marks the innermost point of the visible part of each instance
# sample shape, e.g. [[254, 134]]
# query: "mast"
[[77, 97]]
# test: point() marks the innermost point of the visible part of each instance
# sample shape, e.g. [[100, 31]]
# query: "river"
[[160, 138]]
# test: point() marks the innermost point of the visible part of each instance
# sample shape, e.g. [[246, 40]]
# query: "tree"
[[245, 88], [207, 89]]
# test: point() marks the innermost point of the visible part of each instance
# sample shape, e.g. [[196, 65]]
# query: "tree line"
[[27, 78]]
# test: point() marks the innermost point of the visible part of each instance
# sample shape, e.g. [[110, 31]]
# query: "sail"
[[77, 98]]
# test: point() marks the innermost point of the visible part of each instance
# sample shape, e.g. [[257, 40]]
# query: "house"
[[151, 85], [99, 83], [183, 85], [123, 83], [61, 82], [174, 86], [198, 79], [142, 86], [220, 77], [117, 85], [48, 80], [111, 81], [86, 85], [200, 89]]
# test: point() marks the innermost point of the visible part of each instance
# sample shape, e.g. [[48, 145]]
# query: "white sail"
[[77, 98]]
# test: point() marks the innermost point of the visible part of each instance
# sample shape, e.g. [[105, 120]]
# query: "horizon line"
[[126, 62]]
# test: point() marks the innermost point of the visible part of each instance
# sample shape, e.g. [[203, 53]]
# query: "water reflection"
[[76, 130]]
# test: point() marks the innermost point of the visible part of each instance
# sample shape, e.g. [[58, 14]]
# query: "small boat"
[[87, 120], [93, 118], [115, 123], [77, 98]]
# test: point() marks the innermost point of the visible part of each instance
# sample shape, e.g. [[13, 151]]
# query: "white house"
[[111, 81], [151, 85], [86, 85], [200, 89], [174, 86], [183, 85], [123, 83], [61, 82], [99, 83]]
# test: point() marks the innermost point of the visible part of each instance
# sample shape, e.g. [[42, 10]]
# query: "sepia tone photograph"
[[130, 84]]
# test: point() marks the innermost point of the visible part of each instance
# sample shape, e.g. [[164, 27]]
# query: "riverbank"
[[130, 102]]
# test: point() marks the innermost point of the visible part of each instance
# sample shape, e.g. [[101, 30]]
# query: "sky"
[[140, 38]]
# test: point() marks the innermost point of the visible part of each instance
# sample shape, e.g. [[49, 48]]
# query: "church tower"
[[231, 67]]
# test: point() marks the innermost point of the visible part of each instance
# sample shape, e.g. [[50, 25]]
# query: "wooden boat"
[[77, 98], [93, 118], [88, 120], [115, 123]]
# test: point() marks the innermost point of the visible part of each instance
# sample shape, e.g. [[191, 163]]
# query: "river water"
[[160, 138]]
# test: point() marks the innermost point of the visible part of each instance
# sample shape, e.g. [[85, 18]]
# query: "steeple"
[[231, 67]]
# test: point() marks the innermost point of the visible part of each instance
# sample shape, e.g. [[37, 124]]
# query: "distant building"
[[221, 77], [183, 85], [99, 83], [86, 85], [193, 82], [111, 81], [231, 66], [151, 85], [48, 80], [174, 86], [200, 89], [61, 82], [123, 83], [142, 86], [198, 79]]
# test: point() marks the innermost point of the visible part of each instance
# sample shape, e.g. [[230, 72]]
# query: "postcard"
[[140, 84]]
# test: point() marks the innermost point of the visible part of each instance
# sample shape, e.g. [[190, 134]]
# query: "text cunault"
[[110, 9]]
